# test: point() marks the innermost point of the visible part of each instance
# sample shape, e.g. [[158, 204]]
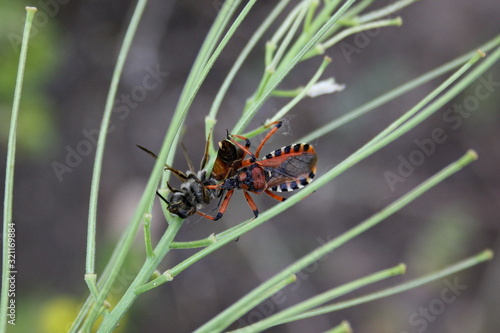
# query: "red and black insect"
[[286, 169]]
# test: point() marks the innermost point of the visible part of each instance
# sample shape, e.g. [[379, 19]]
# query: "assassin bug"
[[193, 193], [286, 169]]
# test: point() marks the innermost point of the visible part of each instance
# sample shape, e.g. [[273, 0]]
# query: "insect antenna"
[[148, 151], [179, 174], [163, 198]]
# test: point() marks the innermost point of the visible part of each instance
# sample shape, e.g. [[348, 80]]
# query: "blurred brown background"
[[72, 56]]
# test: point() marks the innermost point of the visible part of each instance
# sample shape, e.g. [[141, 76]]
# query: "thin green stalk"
[[90, 275], [385, 11], [286, 93], [8, 239], [394, 93], [147, 235], [320, 48], [415, 283], [289, 35], [355, 10], [313, 5], [194, 244], [120, 252], [241, 304], [155, 282], [322, 299], [285, 26], [323, 16]]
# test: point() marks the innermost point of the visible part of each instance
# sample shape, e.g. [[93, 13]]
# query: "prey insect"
[[193, 194], [286, 169]]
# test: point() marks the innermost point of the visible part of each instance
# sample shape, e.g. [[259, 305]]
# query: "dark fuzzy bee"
[[193, 193]]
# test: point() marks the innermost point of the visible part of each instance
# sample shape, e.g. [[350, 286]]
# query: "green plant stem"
[[385, 11], [241, 304], [194, 244], [90, 276], [465, 264], [394, 93], [286, 93], [313, 5], [351, 14], [8, 238], [320, 48], [119, 254], [291, 31], [147, 235], [322, 298]]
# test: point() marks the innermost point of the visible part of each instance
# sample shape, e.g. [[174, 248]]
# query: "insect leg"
[[206, 216], [274, 196], [277, 125], [251, 203], [244, 148], [224, 204]]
